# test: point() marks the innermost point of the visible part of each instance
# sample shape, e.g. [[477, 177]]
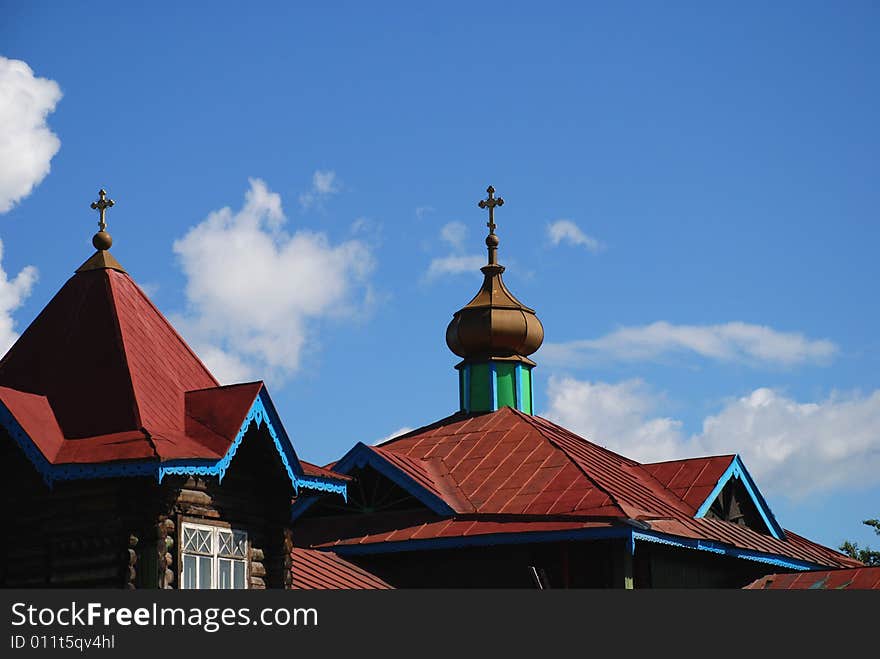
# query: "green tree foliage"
[[867, 555]]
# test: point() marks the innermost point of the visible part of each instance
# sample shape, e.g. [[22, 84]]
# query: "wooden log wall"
[[125, 532], [77, 534]]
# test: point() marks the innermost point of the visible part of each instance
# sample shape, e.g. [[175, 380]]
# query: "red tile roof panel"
[[742, 537], [34, 414], [324, 570], [460, 528], [858, 578], [101, 376], [691, 480], [310, 469]]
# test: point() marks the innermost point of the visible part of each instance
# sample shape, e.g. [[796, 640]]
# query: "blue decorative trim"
[[467, 388], [531, 391], [320, 484], [361, 456], [738, 470], [726, 550], [261, 411], [520, 404], [480, 541], [493, 385]]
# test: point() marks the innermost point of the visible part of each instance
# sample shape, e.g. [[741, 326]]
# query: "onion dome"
[[494, 323], [494, 333]]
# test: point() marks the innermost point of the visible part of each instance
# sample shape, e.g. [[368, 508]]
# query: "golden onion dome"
[[494, 323]]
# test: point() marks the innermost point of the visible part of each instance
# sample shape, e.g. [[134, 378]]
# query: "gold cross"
[[101, 206], [491, 203]]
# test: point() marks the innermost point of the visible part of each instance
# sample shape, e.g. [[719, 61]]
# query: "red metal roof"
[[525, 467], [101, 376], [501, 464], [469, 527], [858, 578], [310, 469], [691, 480], [742, 537], [312, 570]]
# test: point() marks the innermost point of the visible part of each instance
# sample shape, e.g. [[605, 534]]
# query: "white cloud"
[[454, 233], [26, 143], [791, 448], [13, 293], [800, 447], [729, 342], [618, 416], [324, 184], [254, 291], [566, 231], [454, 265], [396, 433]]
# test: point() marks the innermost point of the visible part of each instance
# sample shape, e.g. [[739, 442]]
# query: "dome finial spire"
[[494, 333], [102, 259], [102, 239], [491, 240]]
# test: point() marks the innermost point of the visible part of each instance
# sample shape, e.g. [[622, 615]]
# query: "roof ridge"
[[634, 469], [117, 326], [450, 418], [447, 476], [699, 457], [653, 484], [578, 466], [167, 323], [149, 437], [599, 447]]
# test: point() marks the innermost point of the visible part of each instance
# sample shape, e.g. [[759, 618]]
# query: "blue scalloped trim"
[[728, 550], [262, 411]]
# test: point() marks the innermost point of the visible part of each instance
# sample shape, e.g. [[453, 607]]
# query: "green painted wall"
[[526, 405], [506, 383], [481, 389], [475, 386], [461, 391]]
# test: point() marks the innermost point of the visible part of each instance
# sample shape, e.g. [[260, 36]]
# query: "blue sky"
[[691, 207]]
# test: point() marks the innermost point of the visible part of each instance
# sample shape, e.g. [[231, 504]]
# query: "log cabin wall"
[[76, 534]]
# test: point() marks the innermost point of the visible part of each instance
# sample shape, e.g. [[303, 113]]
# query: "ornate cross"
[[491, 203], [101, 206]]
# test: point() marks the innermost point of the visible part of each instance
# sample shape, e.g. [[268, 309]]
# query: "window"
[[213, 557]]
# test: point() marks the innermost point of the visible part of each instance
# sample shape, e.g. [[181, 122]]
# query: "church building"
[[126, 464], [495, 496]]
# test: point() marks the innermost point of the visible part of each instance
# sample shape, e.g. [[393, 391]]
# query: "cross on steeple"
[[491, 203], [101, 206]]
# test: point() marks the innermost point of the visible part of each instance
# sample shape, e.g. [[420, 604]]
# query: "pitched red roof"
[[859, 578], [105, 358], [310, 469], [320, 570], [508, 462], [542, 477], [691, 480], [100, 376], [742, 537], [467, 528]]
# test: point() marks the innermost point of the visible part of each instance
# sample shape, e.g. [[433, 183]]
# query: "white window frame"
[[215, 555]]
